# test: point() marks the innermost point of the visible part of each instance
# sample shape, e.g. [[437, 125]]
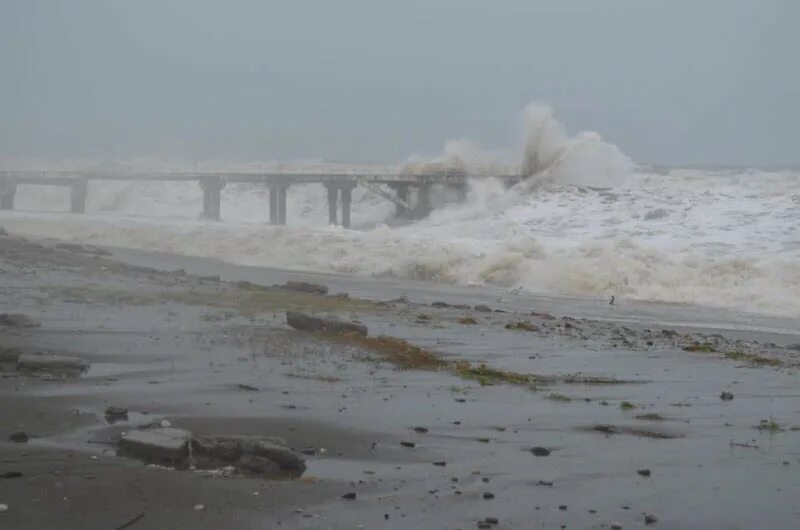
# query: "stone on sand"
[[166, 445], [18, 320], [306, 287], [303, 322], [41, 362]]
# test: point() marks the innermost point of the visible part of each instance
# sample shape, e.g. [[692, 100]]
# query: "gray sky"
[[669, 81]]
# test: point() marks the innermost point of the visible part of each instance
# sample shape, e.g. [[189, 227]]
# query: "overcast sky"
[[669, 81]]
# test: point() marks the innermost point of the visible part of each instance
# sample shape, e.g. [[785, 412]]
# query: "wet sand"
[[178, 346]]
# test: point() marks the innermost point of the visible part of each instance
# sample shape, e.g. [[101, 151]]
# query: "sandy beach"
[[530, 412]]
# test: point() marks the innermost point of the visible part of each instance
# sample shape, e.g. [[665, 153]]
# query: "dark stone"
[[644, 472], [51, 363], [440, 463], [306, 287], [563, 507], [248, 388], [540, 451], [349, 496], [236, 447], [18, 320], [11, 474], [650, 519], [83, 249], [9, 355], [726, 396], [114, 414], [258, 465], [548, 483], [303, 322], [421, 429], [440, 304], [656, 214], [19, 437], [167, 445], [488, 495], [460, 306], [482, 308], [408, 444], [491, 520]]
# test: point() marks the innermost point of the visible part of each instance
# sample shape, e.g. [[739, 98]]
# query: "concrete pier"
[[277, 203], [333, 201], [212, 197], [339, 188], [401, 190], [423, 207], [8, 190], [78, 192]]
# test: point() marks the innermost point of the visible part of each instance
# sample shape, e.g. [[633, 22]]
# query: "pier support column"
[[333, 199], [423, 207], [461, 191], [273, 204], [78, 192], [402, 193], [212, 188], [282, 203], [347, 196], [8, 190]]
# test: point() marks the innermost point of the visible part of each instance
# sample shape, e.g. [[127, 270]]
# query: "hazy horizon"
[[671, 83]]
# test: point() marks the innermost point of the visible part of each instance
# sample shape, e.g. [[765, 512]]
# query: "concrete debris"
[[306, 287], [50, 363], [18, 320], [303, 322]]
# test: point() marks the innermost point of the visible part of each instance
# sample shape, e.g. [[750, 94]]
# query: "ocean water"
[[588, 222]]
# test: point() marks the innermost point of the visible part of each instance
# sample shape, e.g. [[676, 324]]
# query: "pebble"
[[19, 437], [408, 444], [3, 507], [349, 496], [165, 423], [488, 495], [726, 396], [422, 430], [491, 520], [199, 507], [650, 519], [563, 507], [616, 526], [540, 451], [644, 472]]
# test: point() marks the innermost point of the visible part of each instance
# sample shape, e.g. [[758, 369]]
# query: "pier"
[[410, 192]]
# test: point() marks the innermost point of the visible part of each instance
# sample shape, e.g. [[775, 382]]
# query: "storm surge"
[[586, 221]]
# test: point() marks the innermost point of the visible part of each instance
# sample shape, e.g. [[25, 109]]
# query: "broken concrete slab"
[[50, 363], [83, 249], [247, 451], [18, 320], [303, 322], [306, 287], [165, 445], [115, 414], [9, 355]]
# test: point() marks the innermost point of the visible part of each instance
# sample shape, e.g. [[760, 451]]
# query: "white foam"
[[721, 238]]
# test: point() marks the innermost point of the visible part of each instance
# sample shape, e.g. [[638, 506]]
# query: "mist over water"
[[587, 222]]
